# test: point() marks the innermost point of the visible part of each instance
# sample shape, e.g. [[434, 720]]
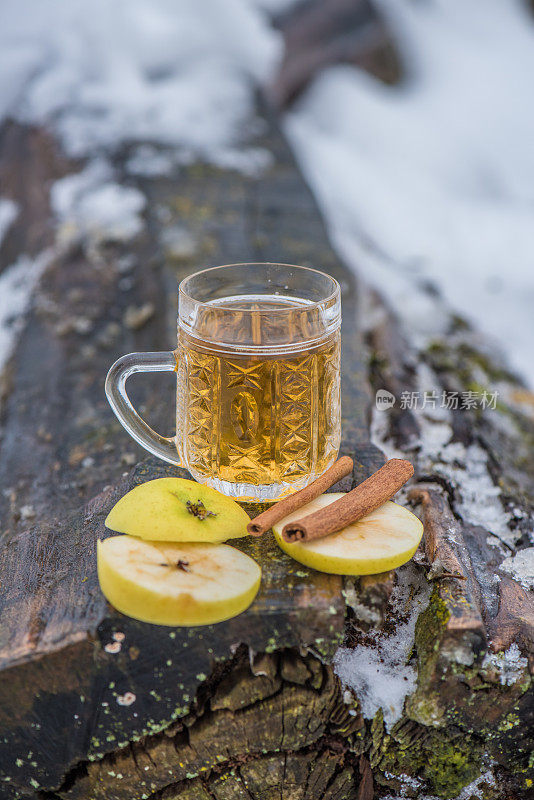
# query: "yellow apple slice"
[[176, 584], [383, 540], [178, 510]]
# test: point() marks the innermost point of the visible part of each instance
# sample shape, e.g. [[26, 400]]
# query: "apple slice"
[[383, 540], [178, 510], [176, 584]]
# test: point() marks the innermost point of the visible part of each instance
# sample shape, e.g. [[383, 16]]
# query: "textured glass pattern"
[[252, 420]]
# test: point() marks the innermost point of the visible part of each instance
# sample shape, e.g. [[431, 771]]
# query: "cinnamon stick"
[[264, 521], [370, 494]]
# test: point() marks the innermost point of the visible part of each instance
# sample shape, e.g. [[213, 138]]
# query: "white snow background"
[[434, 180], [110, 71]]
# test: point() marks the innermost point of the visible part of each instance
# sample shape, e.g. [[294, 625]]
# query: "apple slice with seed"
[[176, 583], [178, 510]]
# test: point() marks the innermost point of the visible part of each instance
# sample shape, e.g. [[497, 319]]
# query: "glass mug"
[[258, 380]]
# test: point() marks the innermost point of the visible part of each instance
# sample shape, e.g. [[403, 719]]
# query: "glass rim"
[[335, 293]]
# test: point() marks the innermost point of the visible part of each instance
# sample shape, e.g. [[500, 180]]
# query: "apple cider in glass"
[[258, 380], [258, 419]]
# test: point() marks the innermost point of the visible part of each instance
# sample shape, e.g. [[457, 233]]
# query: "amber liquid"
[[255, 420]]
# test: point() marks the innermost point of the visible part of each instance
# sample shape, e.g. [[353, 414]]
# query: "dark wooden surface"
[[62, 445]]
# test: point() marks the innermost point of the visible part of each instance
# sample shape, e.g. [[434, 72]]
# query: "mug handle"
[[158, 445]]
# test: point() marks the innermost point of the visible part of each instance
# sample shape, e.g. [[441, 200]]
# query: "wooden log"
[[94, 705], [448, 555], [81, 684], [298, 714], [514, 622]]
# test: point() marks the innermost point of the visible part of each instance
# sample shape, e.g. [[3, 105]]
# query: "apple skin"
[[383, 540], [178, 510]]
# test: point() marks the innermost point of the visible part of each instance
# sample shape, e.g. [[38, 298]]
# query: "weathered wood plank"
[[55, 625], [447, 552]]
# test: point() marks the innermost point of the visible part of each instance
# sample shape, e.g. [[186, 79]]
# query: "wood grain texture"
[[275, 721], [514, 622], [445, 546]]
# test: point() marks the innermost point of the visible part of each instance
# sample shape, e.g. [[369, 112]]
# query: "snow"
[[433, 181], [521, 567], [90, 204], [103, 74], [430, 182], [170, 82], [480, 502], [379, 672], [464, 467], [16, 286], [472, 790], [275, 6], [510, 664], [150, 161], [408, 783], [480, 498]]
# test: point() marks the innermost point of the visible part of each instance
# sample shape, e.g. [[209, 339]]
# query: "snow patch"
[[149, 161], [8, 214], [17, 283], [276, 6], [153, 82], [510, 664], [409, 784], [521, 567], [481, 504], [465, 468], [431, 183], [91, 204], [379, 672], [480, 498], [104, 74]]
